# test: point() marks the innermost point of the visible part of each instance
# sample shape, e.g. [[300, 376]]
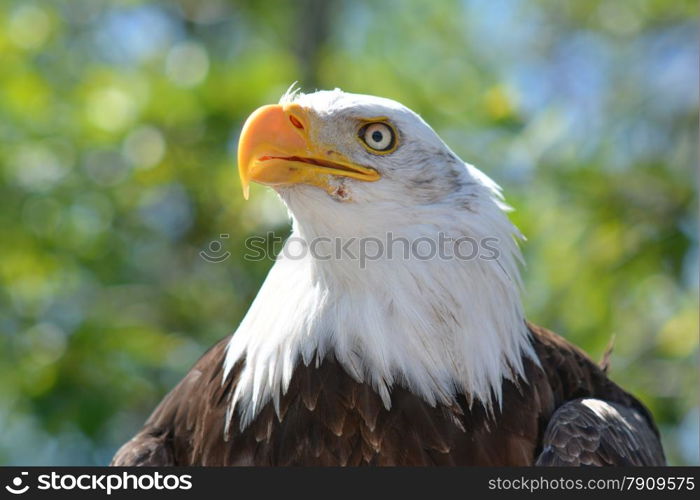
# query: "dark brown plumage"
[[327, 418]]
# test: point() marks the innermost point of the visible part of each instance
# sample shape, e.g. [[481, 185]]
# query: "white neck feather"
[[438, 327]]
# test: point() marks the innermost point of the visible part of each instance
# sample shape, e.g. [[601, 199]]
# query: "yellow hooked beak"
[[275, 149]]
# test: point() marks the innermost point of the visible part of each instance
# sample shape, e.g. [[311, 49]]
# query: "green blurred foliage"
[[118, 124]]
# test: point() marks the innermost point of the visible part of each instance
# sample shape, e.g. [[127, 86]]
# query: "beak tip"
[[245, 187]]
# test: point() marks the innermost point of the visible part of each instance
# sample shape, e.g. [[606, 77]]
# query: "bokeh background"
[[118, 126]]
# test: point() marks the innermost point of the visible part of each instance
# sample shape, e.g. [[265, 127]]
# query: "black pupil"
[[377, 136]]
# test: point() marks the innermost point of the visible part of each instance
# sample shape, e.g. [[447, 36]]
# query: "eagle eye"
[[378, 137]]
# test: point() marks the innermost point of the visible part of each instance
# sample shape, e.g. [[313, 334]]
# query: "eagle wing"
[[197, 406], [145, 450], [596, 432]]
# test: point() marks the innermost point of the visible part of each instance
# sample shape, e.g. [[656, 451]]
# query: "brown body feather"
[[327, 418]]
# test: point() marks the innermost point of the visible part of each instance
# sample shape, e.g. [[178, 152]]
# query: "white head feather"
[[437, 326]]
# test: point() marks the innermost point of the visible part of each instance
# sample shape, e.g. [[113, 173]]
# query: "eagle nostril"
[[295, 121]]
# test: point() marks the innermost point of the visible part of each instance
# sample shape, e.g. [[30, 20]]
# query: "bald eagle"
[[407, 358]]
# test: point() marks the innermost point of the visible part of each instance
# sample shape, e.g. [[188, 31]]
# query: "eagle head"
[[328, 147]]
